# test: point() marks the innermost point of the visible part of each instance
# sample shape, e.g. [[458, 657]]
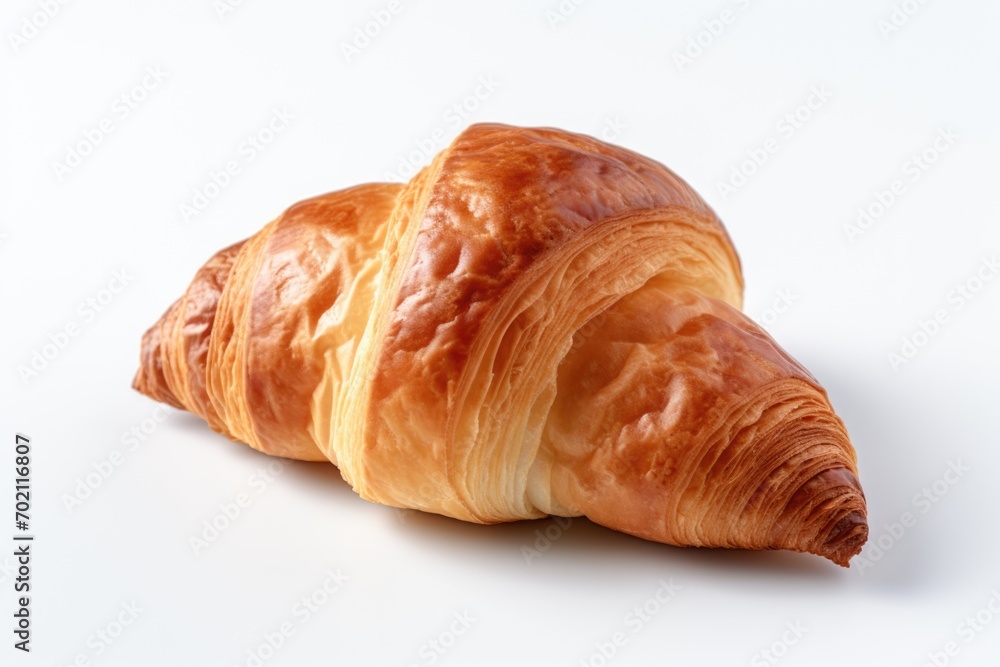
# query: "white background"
[[608, 68]]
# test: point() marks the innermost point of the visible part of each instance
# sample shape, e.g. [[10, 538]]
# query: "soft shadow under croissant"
[[538, 323]]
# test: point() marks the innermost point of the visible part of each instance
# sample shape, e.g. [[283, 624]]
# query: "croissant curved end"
[[849, 531], [847, 539]]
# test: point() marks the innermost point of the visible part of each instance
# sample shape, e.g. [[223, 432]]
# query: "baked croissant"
[[538, 323]]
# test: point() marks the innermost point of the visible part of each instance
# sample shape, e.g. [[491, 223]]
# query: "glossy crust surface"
[[537, 323]]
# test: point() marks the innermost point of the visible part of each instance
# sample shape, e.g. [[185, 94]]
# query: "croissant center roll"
[[538, 323]]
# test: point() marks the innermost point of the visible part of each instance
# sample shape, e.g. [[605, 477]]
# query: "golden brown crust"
[[150, 379], [175, 373], [720, 437], [311, 262], [511, 214], [538, 323]]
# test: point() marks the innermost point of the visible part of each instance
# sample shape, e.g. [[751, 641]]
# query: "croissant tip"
[[845, 539]]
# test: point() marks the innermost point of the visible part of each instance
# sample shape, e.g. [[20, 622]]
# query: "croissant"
[[538, 323]]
